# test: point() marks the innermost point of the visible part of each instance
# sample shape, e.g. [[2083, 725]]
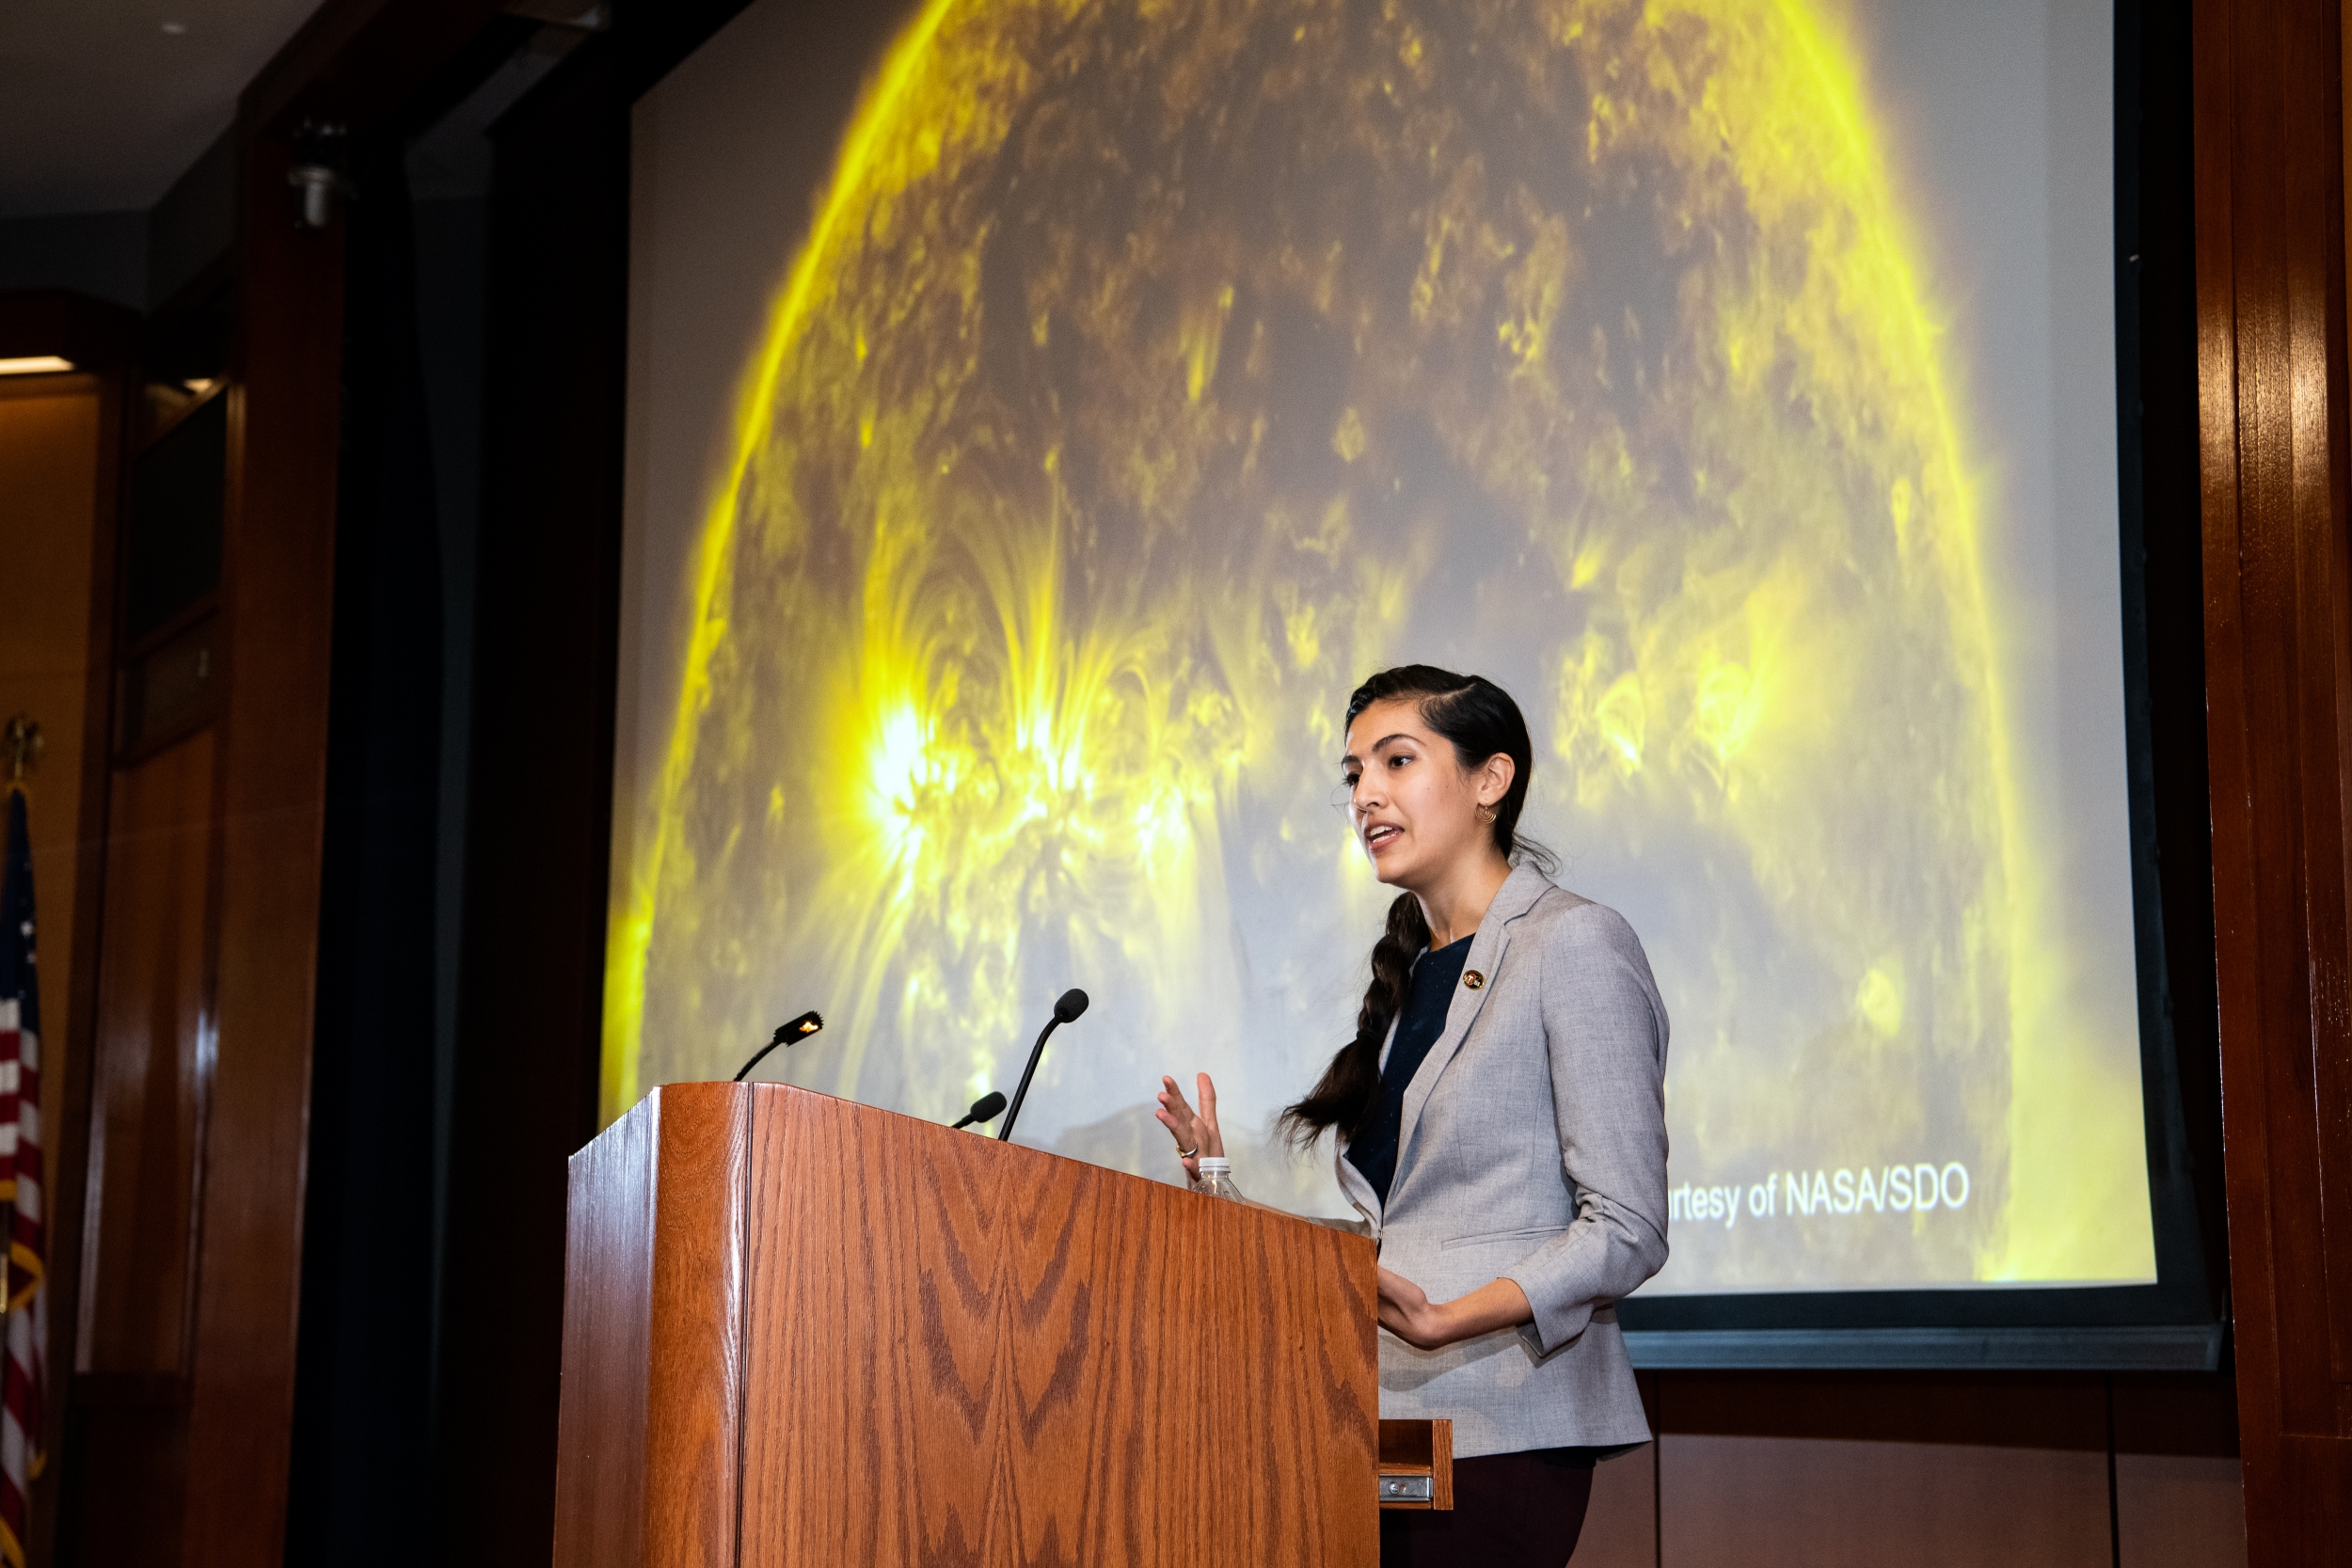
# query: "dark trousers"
[[1510, 1511]]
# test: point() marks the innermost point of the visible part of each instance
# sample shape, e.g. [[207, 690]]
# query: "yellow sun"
[[1153, 372]]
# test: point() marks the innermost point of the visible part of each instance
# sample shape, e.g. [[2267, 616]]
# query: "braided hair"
[[1480, 719]]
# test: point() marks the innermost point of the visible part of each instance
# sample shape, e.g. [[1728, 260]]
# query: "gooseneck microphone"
[[1073, 1002], [987, 1108], [786, 1033]]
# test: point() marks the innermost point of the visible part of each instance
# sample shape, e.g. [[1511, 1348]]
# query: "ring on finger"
[[1188, 1154]]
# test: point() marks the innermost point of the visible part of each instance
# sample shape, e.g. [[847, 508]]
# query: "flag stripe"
[[23, 1346]]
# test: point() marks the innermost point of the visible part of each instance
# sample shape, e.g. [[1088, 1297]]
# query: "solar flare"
[[1153, 372]]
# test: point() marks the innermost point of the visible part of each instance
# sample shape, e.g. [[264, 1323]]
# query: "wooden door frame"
[[2277, 628], [353, 64], [100, 341]]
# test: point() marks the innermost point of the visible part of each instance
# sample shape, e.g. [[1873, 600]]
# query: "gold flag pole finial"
[[22, 737]]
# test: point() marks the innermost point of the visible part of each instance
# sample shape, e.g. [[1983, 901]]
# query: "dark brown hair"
[[1481, 720]]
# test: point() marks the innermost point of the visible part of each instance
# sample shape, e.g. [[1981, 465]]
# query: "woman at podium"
[[1499, 1124]]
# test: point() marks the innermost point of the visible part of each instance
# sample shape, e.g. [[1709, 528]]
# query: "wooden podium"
[[802, 1331]]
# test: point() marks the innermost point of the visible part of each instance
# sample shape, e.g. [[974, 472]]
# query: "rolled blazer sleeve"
[[1605, 1030]]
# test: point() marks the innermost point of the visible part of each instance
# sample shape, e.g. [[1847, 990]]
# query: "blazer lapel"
[[1358, 1192], [1516, 895]]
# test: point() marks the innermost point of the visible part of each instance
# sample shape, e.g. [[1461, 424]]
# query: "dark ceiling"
[[104, 102]]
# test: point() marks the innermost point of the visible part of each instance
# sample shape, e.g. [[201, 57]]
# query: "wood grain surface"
[[799, 1330], [147, 1106], [608, 1340], [694, 1382], [269, 803], [2273, 450], [957, 1351]]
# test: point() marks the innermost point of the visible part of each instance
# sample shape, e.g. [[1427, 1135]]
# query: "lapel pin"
[[1473, 979]]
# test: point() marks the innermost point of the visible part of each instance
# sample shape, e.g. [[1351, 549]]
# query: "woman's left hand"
[[1407, 1311]]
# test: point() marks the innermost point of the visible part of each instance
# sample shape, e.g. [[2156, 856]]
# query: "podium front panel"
[[843, 1336]]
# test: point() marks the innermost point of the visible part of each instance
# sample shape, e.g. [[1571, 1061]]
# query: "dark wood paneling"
[[2191, 1416], [2179, 1414], [277, 593], [2178, 1511], [125, 1483], [608, 1344], [69, 1157], [1812, 1502], [2278, 594], [149, 1081], [1621, 1518], [1870, 1467], [100, 338], [2028, 1410], [124, 1378]]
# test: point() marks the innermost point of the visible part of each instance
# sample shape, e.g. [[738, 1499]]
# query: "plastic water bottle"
[[1216, 1178]]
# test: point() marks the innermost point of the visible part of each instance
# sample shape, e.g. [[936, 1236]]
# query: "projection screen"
[[1041, 416]]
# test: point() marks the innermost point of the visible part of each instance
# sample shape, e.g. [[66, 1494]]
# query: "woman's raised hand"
[[1195, 1132]]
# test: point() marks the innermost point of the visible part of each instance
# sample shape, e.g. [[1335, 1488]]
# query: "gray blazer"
[[1534, 1148]]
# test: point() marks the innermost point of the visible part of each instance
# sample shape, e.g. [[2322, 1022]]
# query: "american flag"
[[27, 1333]]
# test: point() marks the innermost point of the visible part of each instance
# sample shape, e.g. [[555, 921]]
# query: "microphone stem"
[[761, 1057], [1012, 1113]]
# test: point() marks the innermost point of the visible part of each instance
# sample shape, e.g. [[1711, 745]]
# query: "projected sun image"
[[1150, 374]]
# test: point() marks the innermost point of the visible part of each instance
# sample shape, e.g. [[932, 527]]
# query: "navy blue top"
[[1427, 995]]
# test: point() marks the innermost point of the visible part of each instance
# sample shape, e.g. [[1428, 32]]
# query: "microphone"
[[1073, 1002], [786, 1033], [987, 1108]]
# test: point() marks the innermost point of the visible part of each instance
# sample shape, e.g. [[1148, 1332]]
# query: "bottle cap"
[[1215, 1164]]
